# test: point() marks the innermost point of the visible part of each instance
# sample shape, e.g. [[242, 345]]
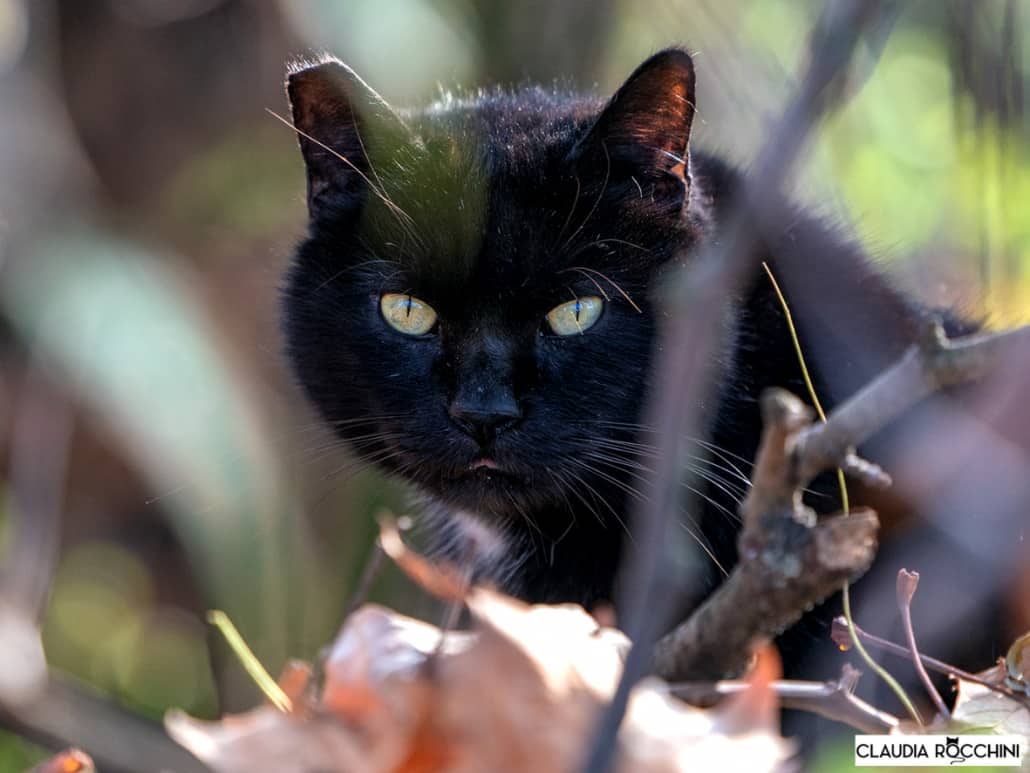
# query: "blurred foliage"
[[158, 309], [927, 174], [236, 188], [17, 754]]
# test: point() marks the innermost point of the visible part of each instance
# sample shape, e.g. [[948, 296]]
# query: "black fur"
[[494, 209]]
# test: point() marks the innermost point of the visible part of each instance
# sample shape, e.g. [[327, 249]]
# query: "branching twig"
[[842, 638], [934, 364], [833, 700], [787, 563]]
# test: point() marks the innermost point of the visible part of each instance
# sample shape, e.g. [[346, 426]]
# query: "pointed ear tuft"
[[644, 131], [341, 122]]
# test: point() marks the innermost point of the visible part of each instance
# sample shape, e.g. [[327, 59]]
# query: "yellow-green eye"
[[407, 314], [575, 316]]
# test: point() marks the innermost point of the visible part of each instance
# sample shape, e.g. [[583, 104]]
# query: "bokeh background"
[[155, 459]]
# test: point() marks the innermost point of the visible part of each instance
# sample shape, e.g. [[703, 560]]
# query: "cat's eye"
[[576, 316], [407, 314]]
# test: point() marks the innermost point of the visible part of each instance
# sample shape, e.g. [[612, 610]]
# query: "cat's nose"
[[483, 419]]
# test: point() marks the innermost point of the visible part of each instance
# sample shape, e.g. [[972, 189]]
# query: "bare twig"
[[369, 572], [833, 700], [907, 584], [788, 561], [787, 564], [934, 364], [683, 373]]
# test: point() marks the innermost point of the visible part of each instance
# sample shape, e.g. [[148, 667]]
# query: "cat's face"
[[472, 307]]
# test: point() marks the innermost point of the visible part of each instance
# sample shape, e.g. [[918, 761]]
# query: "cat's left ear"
[[643, 133], [344, 128]]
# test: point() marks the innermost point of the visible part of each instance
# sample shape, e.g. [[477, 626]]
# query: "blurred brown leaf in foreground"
[[521, 691]]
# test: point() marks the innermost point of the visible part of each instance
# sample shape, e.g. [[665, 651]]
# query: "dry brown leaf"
[[983, 708], [267, 739], [522, 691]]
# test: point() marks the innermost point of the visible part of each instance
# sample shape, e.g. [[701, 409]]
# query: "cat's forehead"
[[481, 198], [532, 116]]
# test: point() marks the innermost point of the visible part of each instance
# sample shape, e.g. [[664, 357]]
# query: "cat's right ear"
[[343, 126], [643, 133]]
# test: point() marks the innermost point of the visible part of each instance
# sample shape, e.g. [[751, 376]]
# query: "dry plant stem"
[[833, 700], [871, 474], [907, 583], [683, 375], [451, 616], [369, 573], [791, 567], [841, 636]]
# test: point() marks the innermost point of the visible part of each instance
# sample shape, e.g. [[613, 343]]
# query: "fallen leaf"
[[985, 709], [522, 691]]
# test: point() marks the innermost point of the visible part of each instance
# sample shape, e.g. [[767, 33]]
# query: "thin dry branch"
[[833, 700], [788, 560], [842, 637], [934, 364]]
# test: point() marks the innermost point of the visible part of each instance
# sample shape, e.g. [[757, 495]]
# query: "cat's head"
[[472, 306]]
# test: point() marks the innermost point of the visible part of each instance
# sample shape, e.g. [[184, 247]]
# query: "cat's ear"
[[343, 127], [643, 133]]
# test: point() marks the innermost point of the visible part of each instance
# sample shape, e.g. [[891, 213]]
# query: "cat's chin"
[[489, 489]]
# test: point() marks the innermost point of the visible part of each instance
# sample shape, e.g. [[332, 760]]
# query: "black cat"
[[474, 309]]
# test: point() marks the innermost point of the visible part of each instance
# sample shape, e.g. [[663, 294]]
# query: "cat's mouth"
[[491, 484], [488, 471]]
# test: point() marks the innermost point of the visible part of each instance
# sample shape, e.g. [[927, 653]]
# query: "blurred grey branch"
[[40, 445], [39, 449], [64, 714], [683, 374], [35, 702], [833, 700]]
